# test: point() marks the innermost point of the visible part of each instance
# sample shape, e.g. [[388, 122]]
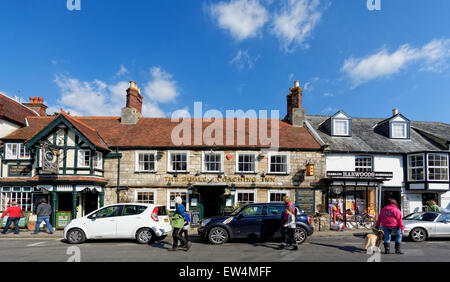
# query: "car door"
[[131, 220], [103, 223], [443, 225], [272, 221], [249, 221]]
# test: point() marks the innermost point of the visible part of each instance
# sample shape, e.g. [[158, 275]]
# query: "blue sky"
[[240, 54]]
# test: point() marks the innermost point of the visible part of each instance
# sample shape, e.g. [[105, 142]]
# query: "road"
[[317, 249]]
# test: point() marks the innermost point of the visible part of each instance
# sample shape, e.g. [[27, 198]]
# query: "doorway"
[[212, 200], [391, 194], [65, 202], [90, 202]]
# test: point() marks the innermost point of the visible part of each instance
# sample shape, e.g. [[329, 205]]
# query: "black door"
[[65, 202], [212, 201], [90, 202]]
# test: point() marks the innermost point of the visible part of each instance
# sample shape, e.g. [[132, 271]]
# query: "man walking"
[[43, 213], [15, 213]]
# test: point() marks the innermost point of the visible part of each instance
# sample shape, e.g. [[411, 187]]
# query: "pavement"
[[321, 247]]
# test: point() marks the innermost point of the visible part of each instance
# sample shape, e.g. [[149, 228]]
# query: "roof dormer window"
[[341, 124], [399, 130]]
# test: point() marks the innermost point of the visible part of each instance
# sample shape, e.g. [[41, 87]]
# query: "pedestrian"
[[290, 226], [15, 213], [177, 224], [432, 207], [391, 223], [284, 219], [43, 212], [185, 230]]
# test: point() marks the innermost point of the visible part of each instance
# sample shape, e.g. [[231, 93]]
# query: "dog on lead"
[[373, 241]]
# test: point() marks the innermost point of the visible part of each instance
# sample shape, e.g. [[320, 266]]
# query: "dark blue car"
[[254, 220]]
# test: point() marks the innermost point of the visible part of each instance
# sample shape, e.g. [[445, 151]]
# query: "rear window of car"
[[275, 210], [422, 216], [162, 210], [133, 210]]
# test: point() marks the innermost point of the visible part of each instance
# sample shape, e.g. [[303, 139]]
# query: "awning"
[[69, 188]]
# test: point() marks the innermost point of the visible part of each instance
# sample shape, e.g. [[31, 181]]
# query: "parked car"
[[145, 223], [424, 225], [262, 220]]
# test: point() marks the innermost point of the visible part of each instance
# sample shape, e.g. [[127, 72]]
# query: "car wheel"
[[76, 236], [217, 236], [300, 235], [145, 236], [418, 235]]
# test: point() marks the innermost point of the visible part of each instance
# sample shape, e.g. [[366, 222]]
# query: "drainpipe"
[[118, 176]]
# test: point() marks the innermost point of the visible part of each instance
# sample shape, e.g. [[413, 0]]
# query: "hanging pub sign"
[[49, 160]]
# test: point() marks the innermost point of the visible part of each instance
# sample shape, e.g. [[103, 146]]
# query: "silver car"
[[423, 225]]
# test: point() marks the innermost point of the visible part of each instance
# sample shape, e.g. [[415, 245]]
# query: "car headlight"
[[205, 222]]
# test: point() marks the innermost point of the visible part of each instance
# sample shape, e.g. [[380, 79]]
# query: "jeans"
[[46, 219], [176, 236], [16, 224], [397, 232]]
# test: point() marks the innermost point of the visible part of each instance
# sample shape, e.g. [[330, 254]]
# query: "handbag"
[[177, 221]]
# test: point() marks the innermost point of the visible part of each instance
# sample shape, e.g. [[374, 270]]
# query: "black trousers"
[[184, 233], [291, 233], [284, 236], [176, 236]]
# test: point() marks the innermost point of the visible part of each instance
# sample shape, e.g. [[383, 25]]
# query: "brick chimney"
[[37, 104], [296, 114], [133, 110]]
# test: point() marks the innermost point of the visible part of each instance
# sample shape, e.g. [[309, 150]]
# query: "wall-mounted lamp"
[[310, 169]]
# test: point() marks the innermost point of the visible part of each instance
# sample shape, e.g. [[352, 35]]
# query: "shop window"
[[438, 167], [84, 158], [178, 161], [146, 161], [246, 163], [145, 197], [98, 160], [363, 164], [22, 198], [244, 198], [416, 167], [173, 195], [277, 197], [278, 164], [212, 162]]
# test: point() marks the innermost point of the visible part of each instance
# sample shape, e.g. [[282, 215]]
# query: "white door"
[[131, 220], [103, 224], [443, 225]]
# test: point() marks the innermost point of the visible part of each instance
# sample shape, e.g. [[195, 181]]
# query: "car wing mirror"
[[240, 216]]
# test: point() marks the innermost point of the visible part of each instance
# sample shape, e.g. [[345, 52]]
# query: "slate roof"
[[438, 129], [366, 139]]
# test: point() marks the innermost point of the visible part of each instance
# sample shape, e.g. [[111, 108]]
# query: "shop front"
[[354, 198]]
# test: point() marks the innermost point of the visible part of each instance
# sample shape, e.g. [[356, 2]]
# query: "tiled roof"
[[14, 111], [365, 139], [156, 133]]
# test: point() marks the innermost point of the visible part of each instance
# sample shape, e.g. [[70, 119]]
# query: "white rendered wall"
[[7, 128]]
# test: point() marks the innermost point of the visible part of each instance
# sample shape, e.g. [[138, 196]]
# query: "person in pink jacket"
[[392, 224]]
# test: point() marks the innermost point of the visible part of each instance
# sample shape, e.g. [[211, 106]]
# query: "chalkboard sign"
[[22, 222], [19, 170], [305, 198], [62, 219], [195, 218]]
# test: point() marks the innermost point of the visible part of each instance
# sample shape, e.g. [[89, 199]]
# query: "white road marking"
[[35, 244]]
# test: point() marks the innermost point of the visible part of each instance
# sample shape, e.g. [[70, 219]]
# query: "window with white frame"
[[363, 163], [20, 195], [277, 196], [416, 167], [212, 161], [145, 196], [438, 167], [246, 162], [178, 161], [98, 160], [279, 163], [171, 199], [341, 127], [145, 161], [15, 151], [84, 158], [399, 130], [245, 197]]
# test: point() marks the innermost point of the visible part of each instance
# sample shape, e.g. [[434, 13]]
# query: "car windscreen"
[[237, 211], [422, 216]]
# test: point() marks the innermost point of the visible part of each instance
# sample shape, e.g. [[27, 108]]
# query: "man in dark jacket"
[[43, 213]]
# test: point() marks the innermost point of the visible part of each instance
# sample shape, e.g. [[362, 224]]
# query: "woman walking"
[[391, 223], [177, 224], [284, 219]]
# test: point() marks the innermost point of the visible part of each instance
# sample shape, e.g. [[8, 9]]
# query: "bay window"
[[416, 167], [14, 151], [84, 158], [438, 167]]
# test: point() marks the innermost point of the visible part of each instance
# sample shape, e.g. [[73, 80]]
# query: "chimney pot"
[[296, 83], [395, 112]]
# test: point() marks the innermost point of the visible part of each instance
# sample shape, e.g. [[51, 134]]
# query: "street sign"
[[62, 219]]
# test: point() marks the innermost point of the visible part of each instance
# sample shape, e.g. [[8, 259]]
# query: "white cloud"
[[123, 70], [328, 110], [242, 60], [432, 57], [295, 21], [242, 18], [162, 88]]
